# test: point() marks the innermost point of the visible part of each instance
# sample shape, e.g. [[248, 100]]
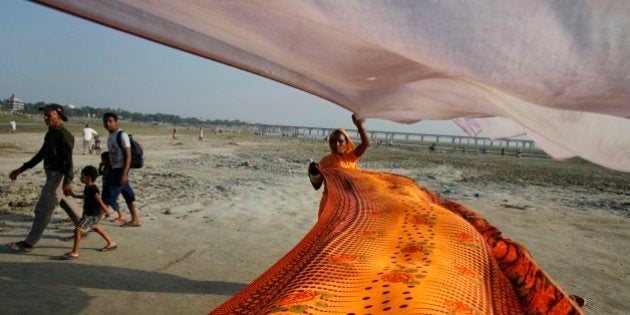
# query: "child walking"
[[93, 209]]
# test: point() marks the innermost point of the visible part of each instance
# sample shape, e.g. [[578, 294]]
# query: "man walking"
[[117, 181], [12, 126], [57, 155], [88, 138]]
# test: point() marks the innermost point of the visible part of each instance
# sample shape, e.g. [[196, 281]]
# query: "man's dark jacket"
[[56, 153]]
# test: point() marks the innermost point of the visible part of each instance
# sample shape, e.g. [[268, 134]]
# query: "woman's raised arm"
[[365, 140]]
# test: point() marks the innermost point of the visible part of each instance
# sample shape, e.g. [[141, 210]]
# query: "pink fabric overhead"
[[556, 70]]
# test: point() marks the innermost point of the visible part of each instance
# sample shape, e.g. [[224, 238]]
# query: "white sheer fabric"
[[556, 70]]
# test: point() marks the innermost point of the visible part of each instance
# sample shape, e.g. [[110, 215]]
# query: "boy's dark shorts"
[[87, 222]]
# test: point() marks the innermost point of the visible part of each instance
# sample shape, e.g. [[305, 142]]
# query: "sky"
[[50, 56]]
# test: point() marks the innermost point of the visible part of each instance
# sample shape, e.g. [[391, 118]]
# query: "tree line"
[[87, 111]]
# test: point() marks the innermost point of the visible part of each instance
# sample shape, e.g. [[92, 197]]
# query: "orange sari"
[[384, 245], [347, 160]]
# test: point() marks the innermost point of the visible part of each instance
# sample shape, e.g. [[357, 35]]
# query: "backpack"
[[137, 154]]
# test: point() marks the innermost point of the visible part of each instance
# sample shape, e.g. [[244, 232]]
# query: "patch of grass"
[[9, 146], [19, 118]]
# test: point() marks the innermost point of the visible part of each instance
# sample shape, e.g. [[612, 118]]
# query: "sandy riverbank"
[[218, 213]]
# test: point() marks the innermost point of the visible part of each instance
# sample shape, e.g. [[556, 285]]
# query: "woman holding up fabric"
[[343, 154]]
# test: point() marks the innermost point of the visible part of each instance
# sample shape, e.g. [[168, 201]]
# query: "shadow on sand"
[[55, 286]]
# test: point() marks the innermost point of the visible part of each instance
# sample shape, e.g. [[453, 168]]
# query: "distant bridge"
[[478, 144]]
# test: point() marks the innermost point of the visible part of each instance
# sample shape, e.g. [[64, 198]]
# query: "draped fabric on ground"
[[385, 245], [556, 70]]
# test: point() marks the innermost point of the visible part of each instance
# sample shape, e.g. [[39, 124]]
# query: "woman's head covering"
[[349, 144], [345, 160]]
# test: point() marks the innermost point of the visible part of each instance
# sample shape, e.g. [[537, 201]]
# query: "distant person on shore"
[[117, 182], [89, 135], [174, 135], [93, 211], [201, 134], [97, 145], [56, 152], [12, 126], [343, 154]]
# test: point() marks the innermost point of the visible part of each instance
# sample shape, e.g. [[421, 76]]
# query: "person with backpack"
[[120, 149]]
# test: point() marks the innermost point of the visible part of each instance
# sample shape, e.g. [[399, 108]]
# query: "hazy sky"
[[50, 56]]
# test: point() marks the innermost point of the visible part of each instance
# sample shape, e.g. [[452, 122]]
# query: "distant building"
[[15, 104]]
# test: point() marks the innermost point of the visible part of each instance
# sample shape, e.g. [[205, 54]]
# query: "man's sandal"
[[130, 224], [108, 248], [68, 256], [20, 247]]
